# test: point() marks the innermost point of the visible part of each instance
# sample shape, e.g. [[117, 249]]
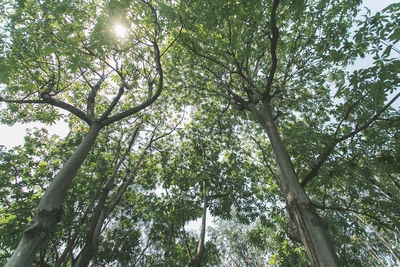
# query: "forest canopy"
[[257, 113]]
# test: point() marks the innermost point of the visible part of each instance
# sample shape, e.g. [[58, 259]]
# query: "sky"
[[12, 136]]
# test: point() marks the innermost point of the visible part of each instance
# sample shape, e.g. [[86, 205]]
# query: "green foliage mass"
[[202, 145]]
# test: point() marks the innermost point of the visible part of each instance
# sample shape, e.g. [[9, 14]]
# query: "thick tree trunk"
[[310, 227], [49, 211]]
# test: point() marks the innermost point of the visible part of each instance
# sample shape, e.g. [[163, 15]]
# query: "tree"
[[201, 170], [60, 55], [23, 179], [283, 62], [279, 130], [254, 245]]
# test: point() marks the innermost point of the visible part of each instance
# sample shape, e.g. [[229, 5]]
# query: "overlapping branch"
[[322, 158]]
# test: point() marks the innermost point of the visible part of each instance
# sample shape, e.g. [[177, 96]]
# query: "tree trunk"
[[92, 241], [102, 210], [167, 251], [309, 226], [49, 211], [196, 262]]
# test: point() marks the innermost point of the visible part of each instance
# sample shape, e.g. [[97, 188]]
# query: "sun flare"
[[120, 30]]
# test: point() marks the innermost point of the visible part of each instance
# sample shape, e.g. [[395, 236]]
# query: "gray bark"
[[49, 211], [310, 227], [92, 242]]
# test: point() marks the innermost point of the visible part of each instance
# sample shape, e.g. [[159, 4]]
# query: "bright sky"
[[12, 136]]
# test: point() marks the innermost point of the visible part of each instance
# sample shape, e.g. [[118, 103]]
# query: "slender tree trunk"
[[309, 226], [92, 241], [196, 262], [102, 211], [167, 251], [49, 211]]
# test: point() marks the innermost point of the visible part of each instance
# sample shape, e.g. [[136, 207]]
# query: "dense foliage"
[[254, 113]]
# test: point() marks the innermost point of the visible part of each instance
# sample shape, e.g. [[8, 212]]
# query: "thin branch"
[[158, 27], [172, 43], [381, 237], [208, 57], [132, 174], [148, 244], [184, 239], [92, 97], [72, 240], [47, 99], [274, 45], [372, 251], [329, 148], [33, 101], [265, 158], [394, 180], [220, 195], [348, 113], [149, 101], [345, 209], [115, 101]]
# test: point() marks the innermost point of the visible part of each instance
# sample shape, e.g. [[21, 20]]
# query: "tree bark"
[[92, 241], [196, 262], [167, 251], [49, 211], [310, 227]]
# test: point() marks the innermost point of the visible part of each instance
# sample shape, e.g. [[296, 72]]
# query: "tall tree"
[[304, 134], [63, 55], [283, 62]]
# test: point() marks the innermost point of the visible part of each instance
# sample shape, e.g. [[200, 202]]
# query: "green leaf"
[[4, 71], [395, 36], [387, 51]]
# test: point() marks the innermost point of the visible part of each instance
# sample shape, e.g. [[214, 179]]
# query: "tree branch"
[[208, 57], [68, 107], [149, 101], [160, 86], [265, 158], [274, 44], [92, 96], [329, 148], [345, 209], [33, 101], [47, 99], [351, 107], [115, 101]]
